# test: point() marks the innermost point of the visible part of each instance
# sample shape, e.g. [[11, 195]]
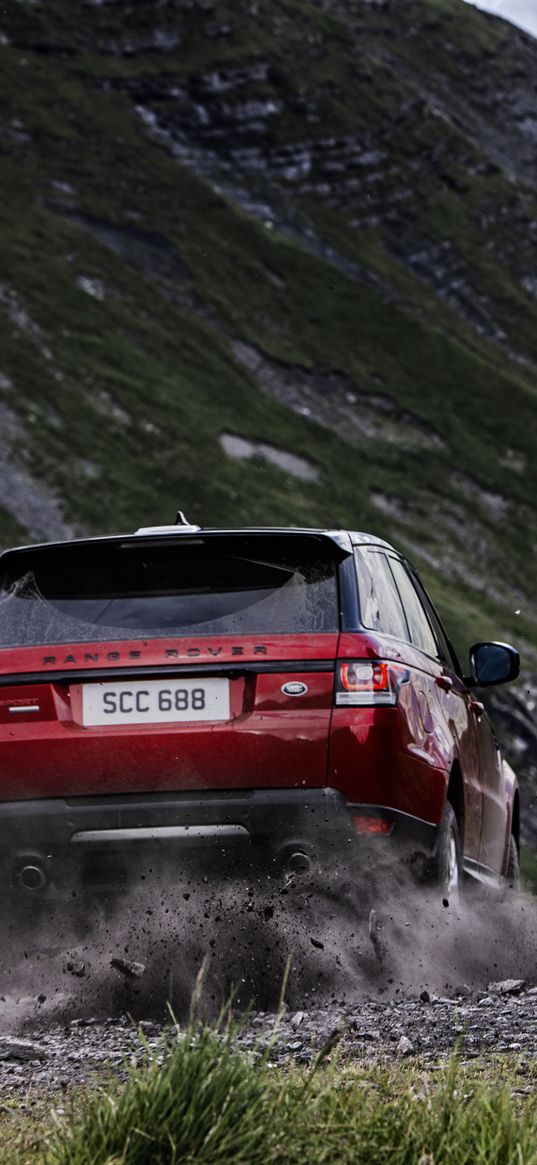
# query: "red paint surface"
[[272, 740], [399, 757]]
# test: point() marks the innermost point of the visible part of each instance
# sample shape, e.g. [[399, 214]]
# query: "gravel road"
[[62, 1055]]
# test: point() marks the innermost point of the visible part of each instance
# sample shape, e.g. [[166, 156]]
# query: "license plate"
[[155, 702]]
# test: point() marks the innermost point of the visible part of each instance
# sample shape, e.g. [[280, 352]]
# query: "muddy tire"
[[445, 868], [512, 873]]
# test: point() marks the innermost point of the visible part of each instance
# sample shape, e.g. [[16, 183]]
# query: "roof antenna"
[[181, 520]]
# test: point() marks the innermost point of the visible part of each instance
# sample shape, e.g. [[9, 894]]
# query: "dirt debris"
[[458, 977], [60, 1056], [78, 969], [129, 968]]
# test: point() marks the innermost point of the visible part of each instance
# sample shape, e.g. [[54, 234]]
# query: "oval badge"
[[294, 688]]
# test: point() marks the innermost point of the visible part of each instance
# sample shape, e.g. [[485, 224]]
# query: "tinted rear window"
[[121, 590]]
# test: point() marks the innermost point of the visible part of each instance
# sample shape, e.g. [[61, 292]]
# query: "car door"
[[451, 698]]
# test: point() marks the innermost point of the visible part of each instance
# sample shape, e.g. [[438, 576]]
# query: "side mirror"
[[493, 663]]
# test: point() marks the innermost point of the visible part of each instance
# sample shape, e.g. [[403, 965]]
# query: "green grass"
[[202, 1103], [197, 1101]]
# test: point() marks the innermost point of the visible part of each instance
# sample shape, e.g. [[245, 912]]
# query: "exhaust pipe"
[[31, 876], [297, 862]]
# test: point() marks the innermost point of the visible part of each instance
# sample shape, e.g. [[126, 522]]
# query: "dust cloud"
[[333, 941]]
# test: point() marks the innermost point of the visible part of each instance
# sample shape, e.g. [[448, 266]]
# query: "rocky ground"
[[85, 994], [502, 1018]]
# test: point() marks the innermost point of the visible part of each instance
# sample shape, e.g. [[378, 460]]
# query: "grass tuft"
[[198, 1101]]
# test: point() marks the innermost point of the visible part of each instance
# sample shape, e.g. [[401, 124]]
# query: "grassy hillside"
[[310, 225]]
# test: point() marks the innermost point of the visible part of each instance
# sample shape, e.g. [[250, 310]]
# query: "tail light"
[[364, 682], [372, 826]]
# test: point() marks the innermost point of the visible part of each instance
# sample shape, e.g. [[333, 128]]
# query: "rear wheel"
[[445, 869]]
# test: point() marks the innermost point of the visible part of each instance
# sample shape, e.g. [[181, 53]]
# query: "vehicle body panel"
[[287, 749], [497, 806], [271, 739]]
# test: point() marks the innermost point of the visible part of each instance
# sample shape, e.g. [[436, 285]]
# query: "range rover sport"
[[282, 697]]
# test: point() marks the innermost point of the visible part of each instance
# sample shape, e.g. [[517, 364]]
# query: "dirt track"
[[481, 1022], [420, 988]]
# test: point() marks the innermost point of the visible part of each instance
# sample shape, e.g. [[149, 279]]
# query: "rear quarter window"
[[380, 604], [421, 634]]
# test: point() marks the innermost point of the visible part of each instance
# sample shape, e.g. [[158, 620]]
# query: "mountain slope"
[[286, 230]]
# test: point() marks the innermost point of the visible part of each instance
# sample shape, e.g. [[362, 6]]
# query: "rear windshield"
[[79, 593]]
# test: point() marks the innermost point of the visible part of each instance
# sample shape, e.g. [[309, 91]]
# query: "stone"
[[75, 968], [405, 1047], [507, 987], [130, 969], [14, 1048], [371, 1034]]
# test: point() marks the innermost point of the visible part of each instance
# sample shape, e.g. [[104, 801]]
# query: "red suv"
[[283, 696]]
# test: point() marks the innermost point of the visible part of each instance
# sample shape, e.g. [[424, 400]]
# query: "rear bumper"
[[105, 840]]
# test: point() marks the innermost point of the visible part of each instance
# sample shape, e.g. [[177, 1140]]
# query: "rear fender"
[[512, 796]]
